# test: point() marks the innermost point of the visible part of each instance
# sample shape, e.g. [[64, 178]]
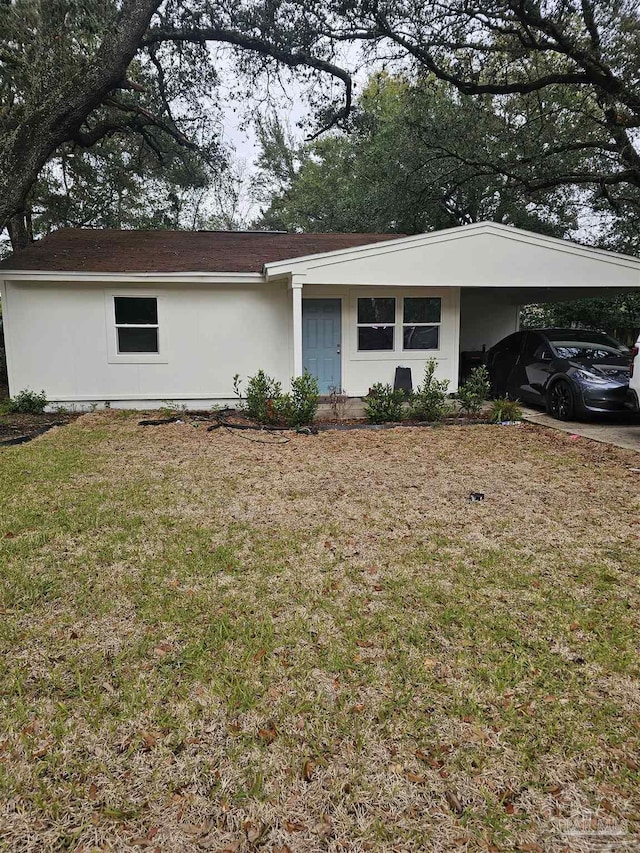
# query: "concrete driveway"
[[620, 430]]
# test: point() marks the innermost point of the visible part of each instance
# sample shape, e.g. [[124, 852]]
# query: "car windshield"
[[584, 345]]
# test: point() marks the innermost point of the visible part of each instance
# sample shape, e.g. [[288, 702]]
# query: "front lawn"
[[211, 643]]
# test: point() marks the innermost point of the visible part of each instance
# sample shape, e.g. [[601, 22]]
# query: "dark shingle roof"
[[110, 250]]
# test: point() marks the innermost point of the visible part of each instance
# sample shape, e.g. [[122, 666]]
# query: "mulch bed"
[[17, 425], [235, 418]]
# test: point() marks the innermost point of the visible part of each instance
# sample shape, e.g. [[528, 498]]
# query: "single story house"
[[134, 318]]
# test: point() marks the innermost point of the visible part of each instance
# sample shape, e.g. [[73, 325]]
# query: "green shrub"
[[170, 409], [429, 401], [472, 393], [302, 403], [383, 404], [263, 398], [503, 410], [26, 403], [266, 403]]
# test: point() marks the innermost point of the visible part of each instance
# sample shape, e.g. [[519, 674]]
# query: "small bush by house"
[[429, 401], [384, 404], [266, 403], [472, 393], [503, 410], [26, 402]]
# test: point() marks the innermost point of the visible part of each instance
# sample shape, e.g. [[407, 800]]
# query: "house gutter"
[[133, 277]]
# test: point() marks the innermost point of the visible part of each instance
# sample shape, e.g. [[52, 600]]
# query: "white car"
[[634, 377]]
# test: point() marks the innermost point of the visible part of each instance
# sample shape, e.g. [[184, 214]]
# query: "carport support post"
[[296, 291]]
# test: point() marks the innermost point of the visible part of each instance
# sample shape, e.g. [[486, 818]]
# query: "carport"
[[514, 268]]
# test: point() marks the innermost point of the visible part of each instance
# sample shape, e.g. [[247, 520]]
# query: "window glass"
[[375, 337], [377, 310], [584, 339], [589, 349], [421, 337], [139, 339], [421, 310], [135, 310], [509, 344], [531, 344], [543, 353]]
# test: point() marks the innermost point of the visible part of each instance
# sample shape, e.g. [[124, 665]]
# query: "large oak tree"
[[71, 76], [567, 69]]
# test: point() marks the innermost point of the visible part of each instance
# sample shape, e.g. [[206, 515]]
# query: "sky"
[[290, 100]]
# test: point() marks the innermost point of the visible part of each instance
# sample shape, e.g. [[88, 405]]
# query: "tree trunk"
[[20, 231], [59, 117]]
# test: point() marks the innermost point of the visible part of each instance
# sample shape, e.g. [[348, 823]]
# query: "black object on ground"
[[403, 381], [158, 421], [23, 439]]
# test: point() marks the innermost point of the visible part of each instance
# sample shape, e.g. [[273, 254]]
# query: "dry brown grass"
[[211, 643]]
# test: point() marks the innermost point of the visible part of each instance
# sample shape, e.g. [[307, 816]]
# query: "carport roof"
[[483, 254]]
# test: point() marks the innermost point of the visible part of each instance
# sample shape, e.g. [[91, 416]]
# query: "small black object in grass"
[[476, 496]]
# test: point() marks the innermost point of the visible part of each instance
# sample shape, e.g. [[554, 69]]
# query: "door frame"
[[340, 299]]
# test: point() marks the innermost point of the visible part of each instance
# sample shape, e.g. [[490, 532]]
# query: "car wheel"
[[560, 401]]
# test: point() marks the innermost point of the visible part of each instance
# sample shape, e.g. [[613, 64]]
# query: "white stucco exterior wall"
[[481, 255], [486, 318], [60, 337], [360, 370]]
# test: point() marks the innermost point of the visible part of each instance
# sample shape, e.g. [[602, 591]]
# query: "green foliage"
[[302, 403], [619, 315], [503, 409], [383, 404], [429, 401], [263, 398], [26, 402], [472, 393], [423, 131], [170, 408], [266, 403], [130, 163], [119, 184]]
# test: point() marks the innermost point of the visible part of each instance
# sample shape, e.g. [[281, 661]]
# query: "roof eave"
[[280, 269], [193, 277]]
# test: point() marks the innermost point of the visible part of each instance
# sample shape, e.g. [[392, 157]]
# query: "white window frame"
[[399, 324], [392, 325], [114, 356], [403, 324]]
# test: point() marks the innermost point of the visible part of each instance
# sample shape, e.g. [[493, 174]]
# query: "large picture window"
[[136, 324], [418, 319], [376, 323]]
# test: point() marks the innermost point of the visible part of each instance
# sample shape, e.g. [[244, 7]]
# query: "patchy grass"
[[210, 643]]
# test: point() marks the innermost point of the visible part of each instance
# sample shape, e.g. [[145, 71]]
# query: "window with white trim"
[[376, 323], [418, 319], [421, 319], [136, 324]]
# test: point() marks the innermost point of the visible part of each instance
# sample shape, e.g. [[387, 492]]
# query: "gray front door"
[[321, 336]]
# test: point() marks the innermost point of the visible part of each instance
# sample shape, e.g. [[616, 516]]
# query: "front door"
[[321, 338]]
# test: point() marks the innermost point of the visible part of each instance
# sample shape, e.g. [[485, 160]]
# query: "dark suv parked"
[[572, 372]]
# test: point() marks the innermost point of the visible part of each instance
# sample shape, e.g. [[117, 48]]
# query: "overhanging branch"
[[291, 58]]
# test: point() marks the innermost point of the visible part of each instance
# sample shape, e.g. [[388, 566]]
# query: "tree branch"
[[290, 58]]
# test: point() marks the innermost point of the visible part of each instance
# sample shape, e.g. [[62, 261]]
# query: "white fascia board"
[[278, 269], [128, 278]]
